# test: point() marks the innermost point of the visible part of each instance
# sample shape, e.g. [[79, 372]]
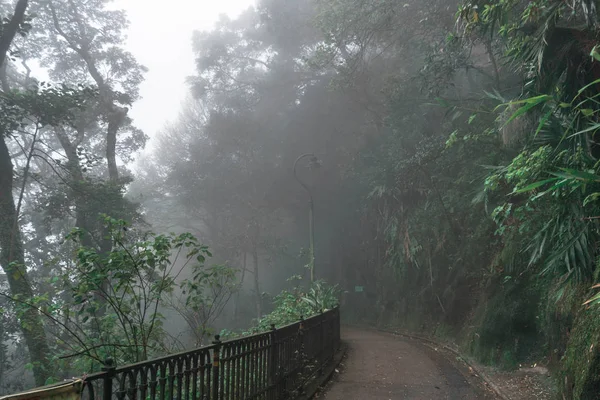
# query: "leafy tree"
[[94, 51], [45, 106], [32, 113], [73, 48], [39, 107], [133, 283], [203, 298]]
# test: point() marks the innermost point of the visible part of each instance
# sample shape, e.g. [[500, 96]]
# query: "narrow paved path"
[[384, 366]]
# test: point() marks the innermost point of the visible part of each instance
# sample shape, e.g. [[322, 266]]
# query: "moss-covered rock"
[[506, 325], [581, 361]]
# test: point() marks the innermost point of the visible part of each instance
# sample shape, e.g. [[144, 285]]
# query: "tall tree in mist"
[[75, 50], [12, 257], [267, 105]]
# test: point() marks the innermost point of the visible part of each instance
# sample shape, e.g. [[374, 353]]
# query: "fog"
[[160, 37], [170, 171]]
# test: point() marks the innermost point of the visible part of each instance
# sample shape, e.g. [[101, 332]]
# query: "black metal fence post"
[[273, 393], [338, 317], [107, 381], [322, 356], [301, 354], [216, 366]]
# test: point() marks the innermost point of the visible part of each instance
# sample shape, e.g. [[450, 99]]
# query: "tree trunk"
[[12, 256], [257, 284], [10, 30], [490, 51], [236, 305], [12, 261], [116, 118], [79, 193]]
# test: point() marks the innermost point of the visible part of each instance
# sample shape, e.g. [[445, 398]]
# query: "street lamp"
[[314, 161]]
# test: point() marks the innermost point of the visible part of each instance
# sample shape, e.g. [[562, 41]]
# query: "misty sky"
[[160, 38]]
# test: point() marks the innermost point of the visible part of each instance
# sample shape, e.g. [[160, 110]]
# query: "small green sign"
[[359, 289]]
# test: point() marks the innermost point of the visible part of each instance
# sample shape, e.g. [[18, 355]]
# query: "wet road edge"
[[435, 346]]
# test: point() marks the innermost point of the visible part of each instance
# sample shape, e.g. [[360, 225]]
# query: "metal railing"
[[271, 366]]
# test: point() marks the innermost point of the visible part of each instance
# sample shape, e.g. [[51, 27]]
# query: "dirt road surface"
[[384, 366]]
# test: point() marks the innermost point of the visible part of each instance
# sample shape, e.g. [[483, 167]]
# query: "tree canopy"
[[455, 178]]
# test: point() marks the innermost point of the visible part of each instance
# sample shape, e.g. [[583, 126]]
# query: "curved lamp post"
[[311, 217]]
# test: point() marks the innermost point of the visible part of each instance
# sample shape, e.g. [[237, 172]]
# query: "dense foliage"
[[456, 191]]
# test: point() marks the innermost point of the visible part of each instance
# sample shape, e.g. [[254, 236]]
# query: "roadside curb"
[[480, 374]]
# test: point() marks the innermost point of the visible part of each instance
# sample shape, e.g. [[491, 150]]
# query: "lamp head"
[[315, 162]]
